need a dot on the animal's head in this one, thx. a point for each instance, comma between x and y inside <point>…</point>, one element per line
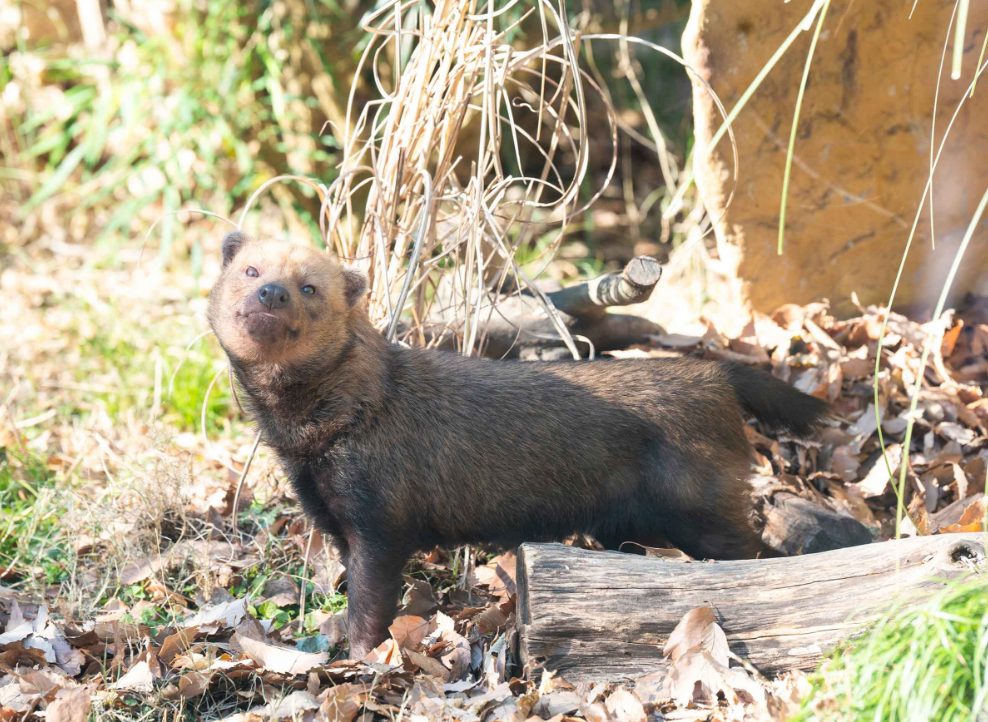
<point>282,303</point>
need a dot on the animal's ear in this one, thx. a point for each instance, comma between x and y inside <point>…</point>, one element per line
<point>354,286</point>
<point>232,243</point>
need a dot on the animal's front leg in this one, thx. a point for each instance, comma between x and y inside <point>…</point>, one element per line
<point>373,585</point>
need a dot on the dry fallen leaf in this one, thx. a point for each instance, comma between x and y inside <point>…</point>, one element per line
<point>845,463</point>
<point>697,677</point>
<point>70,705</point>
<point>498,575</point>
<point>950,339</point>
<point>227,614</point>
<point>699,667</point>
<point>960,479</point>
<point>864,427</point>
<point>972,520</point>
<point>419,599</point>
<point>558,702</point>
<point>491,619</point>
<point>189,686</point>
<point>13,698</point>
<point>68,658</point>
<point>43,682</point>
<point>16,617</point>
<point>293,706</point>
<point>456,657</point>
<point>16,634</point>
<point>139,678</point>
<point>177,643</point>
<point>387,652</point>
<point>408,631</point>
<point>698,628</point>
<point>428,665</point>
<point>623,705</point>
<point>876,481</point>
<point>342,702</point>
<point>281,660</point>
<point>919,516</point>
<point>280,591</point>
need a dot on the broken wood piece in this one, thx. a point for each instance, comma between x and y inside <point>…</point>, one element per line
<point>604,616</point>
<point>632,285</point>
<point>795,525</point>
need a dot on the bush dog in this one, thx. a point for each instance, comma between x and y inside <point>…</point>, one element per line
<point>393,450</point>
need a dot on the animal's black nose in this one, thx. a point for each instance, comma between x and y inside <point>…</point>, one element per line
<point>273,296</point>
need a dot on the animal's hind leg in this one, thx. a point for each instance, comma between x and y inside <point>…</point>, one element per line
<point>712,520</point>
<point>633,541</point>
<point>705,537</point>
<point>615,542</point>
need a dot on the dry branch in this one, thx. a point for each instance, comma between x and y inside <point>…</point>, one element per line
<point>518,326</point>
<point>795,525</point>
<point>604,616</point>
<point>632,285</point>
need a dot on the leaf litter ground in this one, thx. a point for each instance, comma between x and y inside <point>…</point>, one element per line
<point>129,593</point>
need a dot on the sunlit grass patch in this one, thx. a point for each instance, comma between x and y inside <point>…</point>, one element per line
<point>116,371</point>
<point>928,662</point>
<point>31,507</point>
<point>184,400</point>
<point>158,121</point>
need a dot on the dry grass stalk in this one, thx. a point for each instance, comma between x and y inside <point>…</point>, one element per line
<point>443,216</point>
<point>430,156</point>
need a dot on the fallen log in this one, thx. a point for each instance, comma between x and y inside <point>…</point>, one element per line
<point>604,616</point>
<point>518,327</point>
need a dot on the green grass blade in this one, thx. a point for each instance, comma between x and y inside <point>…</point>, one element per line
<point>57,179</point>
<point>981,59</point>
<point>795,121</point>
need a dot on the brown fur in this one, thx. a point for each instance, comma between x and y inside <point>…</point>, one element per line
<point>394,450</point>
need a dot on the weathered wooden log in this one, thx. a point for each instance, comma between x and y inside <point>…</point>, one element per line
<point>604,616</point>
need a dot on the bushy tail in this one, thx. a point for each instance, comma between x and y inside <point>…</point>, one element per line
<point>775,402</point>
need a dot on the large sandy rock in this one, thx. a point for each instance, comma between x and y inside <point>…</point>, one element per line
<point>862,149</point>
<point>39,24</point>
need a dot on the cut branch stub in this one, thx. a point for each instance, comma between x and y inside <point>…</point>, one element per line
<point>632,285</point>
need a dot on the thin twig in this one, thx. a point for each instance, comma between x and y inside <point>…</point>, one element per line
<point>240,485</point>
<point>305,578</point>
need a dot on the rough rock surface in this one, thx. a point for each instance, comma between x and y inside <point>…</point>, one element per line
<point>862,149</point>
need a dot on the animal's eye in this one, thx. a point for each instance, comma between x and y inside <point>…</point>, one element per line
<point>251,271</point>
<point>308,289</point>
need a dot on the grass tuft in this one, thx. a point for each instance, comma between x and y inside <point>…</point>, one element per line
<point>29,518</point>
<point>923,663</point>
